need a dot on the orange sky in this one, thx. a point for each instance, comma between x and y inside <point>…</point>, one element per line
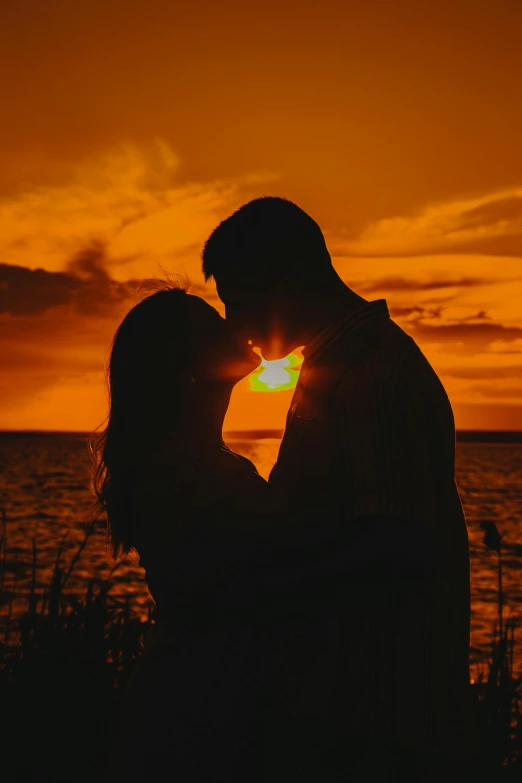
<point>134,127</point>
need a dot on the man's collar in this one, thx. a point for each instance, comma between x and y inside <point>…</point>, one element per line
<point>353,319</point>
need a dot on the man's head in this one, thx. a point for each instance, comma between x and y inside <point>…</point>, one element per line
<point>269,259</point>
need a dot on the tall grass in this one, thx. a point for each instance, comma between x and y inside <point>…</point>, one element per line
<point>497,690</point>
<point>63,664</point>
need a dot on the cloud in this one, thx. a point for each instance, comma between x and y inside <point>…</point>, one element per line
<point>480,316</point>
<point>493,212</point>
<point>464,337</point>
<point>480,415</point>
<point>498,392</point>
<point>85,285</point>
<point>409,284</point>
<point>30,292</point>
<point>131,200</point>
<point>490,224</point>
<point>47,349</point>
<point>483,372</point>
<point>417,312</point>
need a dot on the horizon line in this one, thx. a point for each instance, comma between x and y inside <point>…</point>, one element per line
<point>252,433</point>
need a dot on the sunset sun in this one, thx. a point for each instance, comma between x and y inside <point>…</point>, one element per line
<point>278,375</point>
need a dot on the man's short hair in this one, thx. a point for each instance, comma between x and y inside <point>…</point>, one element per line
<point>266,241</point>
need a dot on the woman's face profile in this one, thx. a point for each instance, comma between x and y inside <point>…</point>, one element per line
<point>220,353</point>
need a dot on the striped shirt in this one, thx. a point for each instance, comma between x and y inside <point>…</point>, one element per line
<point>370,431</point>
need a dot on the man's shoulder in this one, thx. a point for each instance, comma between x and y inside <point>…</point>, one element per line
<point>374,351</point>
<point>389,357</point>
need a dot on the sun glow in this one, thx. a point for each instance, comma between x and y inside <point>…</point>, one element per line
<point>278,375</point>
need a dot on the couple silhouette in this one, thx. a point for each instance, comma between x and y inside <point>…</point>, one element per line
<point>314,627</point>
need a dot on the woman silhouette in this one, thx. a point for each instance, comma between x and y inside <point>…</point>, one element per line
<point>172,490</point>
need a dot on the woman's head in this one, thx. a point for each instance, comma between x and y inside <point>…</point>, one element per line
<point>168,347</point>
<point>167,343</point>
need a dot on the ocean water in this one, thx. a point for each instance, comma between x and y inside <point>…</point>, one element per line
<point>44,489</point>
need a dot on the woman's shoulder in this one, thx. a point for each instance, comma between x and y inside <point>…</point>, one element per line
<point>226,475</point>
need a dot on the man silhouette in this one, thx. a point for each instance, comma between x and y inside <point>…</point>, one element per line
<point>373,682</point>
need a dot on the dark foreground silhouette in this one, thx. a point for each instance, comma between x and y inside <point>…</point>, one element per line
<point>64,665</point>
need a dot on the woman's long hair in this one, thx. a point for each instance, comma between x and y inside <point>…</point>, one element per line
<point>148,374</point>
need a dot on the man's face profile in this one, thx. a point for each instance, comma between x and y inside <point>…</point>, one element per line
<point>258,316</point>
